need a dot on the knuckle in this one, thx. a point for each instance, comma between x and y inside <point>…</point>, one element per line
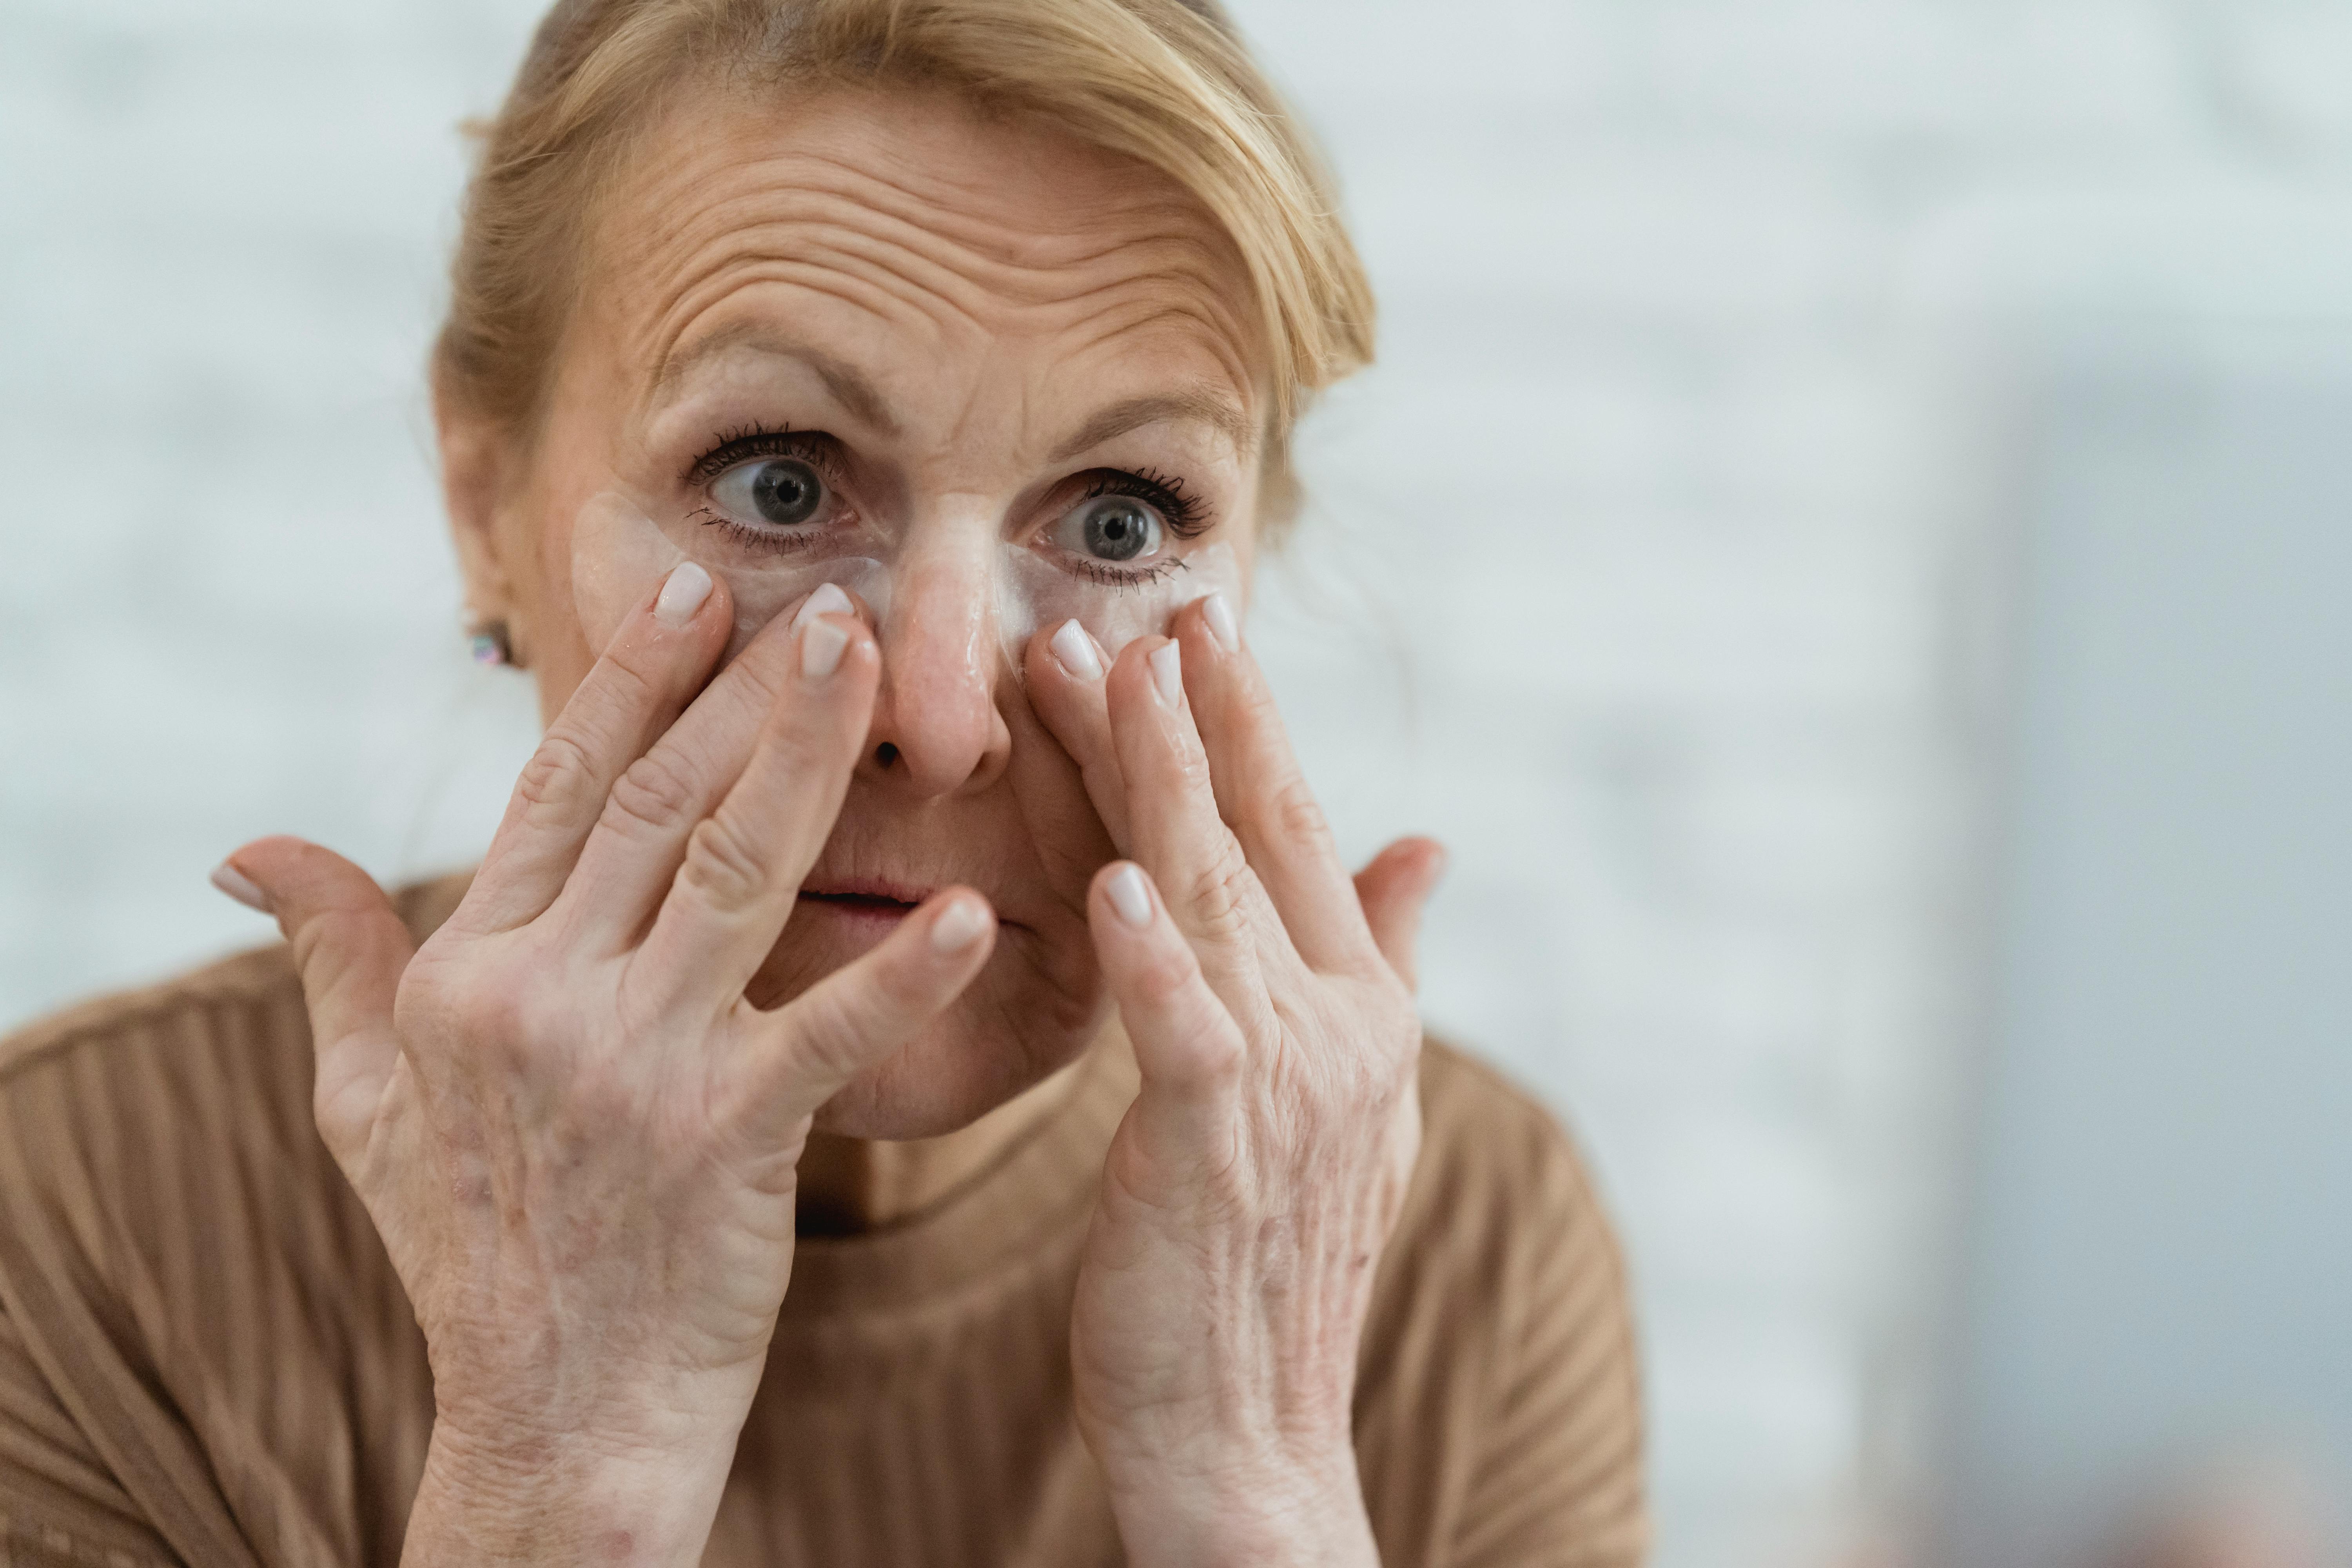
<point>557,777</point>
<point>1293,811</point>
<point>1218,893</point>
<point>629,683</point>
<point>496,1009</point>
<point>722,869</point>
<point>653,794</point>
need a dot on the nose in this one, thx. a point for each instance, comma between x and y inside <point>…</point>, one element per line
<point>936,729</point>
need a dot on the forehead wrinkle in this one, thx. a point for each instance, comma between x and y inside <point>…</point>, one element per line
<point>1115,308</point>
<point>930,243</point>
<point>986,232</point>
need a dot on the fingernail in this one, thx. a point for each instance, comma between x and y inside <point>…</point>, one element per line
<point>959,925</point>
<point>1074,652</point>
<point>1221,624</point>
<point>1130,895</point>
<point>821,647</point>
<point>829,599</point>
<point>1167,674</point>
<point>240,887</point>
<point>682,595</point>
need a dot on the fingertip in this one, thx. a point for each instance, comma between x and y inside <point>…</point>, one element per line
<point>1125,890</point>
<point>1427,861</point>
<point>824,599</point>
<point>243,889</point>
<point>961,922</point>
<point>1075,651</point>
<point>254,874</point>
<point>683,593</point>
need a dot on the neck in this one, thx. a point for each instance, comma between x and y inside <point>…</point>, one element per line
<point>848,1185</point>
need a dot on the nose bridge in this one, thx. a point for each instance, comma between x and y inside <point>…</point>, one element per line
<point>941,661</point>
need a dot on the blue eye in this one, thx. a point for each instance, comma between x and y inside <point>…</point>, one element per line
<point>1110,528</point>
<point>781,492</point>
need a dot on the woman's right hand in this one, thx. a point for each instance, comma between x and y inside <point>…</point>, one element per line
<point>576,1135</point>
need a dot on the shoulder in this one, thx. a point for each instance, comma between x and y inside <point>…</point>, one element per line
<point>173,1110</point>
<point>1495,1160</point>
<point>259,977</point>
<point>243,993</point>
<point>201,1301</point>
<point>117,1112</point>
<point>1498,1405</point>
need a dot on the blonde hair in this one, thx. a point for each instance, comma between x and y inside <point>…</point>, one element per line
<point>1166,82</point>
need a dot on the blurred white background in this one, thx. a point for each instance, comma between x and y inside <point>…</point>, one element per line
<point>1668,567</point>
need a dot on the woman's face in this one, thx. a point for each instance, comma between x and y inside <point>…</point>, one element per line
<point>880,311</point>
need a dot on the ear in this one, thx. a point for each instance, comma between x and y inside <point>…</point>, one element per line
<point>477,459</point>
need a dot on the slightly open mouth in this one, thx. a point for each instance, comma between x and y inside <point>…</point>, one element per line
<point>874,906</point>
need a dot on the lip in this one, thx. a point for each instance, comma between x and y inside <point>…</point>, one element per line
<point>876,900</point>
<point>864,900</point>
<point>864,891</point>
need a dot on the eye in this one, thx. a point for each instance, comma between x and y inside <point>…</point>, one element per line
<point>1110,528</point>
<point>781,492</point>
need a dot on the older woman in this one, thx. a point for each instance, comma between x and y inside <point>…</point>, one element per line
<point>911,1080</point>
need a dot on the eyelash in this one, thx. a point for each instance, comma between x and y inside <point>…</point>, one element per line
<point>762,441</point>
<point>1185,515</point>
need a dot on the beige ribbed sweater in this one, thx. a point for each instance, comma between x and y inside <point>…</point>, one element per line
<point>206,1357</point>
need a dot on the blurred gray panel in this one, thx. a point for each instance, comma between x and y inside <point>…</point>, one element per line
<point>2161,1264</point>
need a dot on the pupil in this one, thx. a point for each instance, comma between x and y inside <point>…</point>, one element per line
<point>1117,530</point>
<point>786,491</point>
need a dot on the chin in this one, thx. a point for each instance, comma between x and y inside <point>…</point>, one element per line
<point>1032,1010</point>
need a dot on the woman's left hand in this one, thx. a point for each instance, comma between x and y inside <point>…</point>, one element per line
<point>1254,1181</point>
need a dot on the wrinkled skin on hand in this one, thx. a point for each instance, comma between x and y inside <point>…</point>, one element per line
<point>1250,1188</point>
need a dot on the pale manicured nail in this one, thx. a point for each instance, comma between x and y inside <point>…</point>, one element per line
<point>1130,895</point>
<point>828,600</point>
<point>1219,614</point>
<point>683,595</point>
<point>239,886</point>
<point>1074,652</point>
<point>1167,674</point>
<point>821,647</point>
<point>959,925</point>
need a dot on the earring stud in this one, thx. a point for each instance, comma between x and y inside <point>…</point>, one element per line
<point>491,645</point>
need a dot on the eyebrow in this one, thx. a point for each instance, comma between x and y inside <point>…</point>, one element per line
<point>1198,406</point>
<point>848,386</point>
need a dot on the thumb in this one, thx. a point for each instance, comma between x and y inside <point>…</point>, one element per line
<point>350,948</point>
<point>1392,889</point>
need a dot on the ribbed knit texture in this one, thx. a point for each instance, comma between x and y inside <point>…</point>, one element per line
<point>206,1357</point>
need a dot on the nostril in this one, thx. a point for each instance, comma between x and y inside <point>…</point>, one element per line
<point>885,754</point>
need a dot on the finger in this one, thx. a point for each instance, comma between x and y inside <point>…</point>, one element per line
<point>1213,892</point>
<point>743,864</point>
<point>1394,890</point>
<point>1188,1047</point>
<point>639,841</point>
<point>350,948</point>
<point>653,666</point>
<point>1262,795</point>
<point>800,1055</point>
<point>1064,668</point>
